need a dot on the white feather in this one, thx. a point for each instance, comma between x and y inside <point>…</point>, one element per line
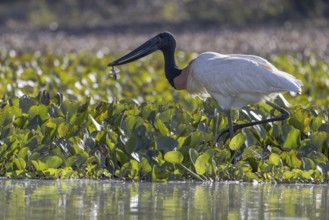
<point>237,80</point>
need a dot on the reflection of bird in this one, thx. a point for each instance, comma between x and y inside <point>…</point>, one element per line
<point>233,80</point>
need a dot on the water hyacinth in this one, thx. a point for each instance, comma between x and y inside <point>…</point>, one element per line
<point>66,117</point>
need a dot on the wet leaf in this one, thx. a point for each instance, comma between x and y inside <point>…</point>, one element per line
<point>292,139</point>
<point>307,174</point>
<point>288,175</point>
<point>174,157</point>
<point>320,139</point>
<point>145,167</point>
<point>301,119</point>
<point>19,163</point>
<point>134,168</point>
<point>166,143</point>
<point>130,123</point>
<point>54,162</point>
<point>8,113</point>
<point>64,130</point>
<point>39,165</point>
<point>26,102</point>
<point>23,153</point>
<point>291,159</point>
<point>275,159</point>
<point>161,127</point>
<point>308,164</point>
<point>159,173</point>
<point>237,141</point>
<point>75,161</point>
<point>316,123</point>
<point>38,114</point>
<point>204,163</point>
<point>193,155</point>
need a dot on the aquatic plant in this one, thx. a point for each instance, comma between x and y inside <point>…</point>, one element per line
<point>65,117</point>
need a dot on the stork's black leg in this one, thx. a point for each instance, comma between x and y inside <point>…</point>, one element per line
<point>230,124</point>
<point>284,115</point>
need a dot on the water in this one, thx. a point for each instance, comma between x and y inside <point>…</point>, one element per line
<point>81,199</point>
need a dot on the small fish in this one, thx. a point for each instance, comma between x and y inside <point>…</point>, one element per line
<point>114,72</point>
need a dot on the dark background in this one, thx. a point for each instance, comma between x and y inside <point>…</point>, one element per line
<point>229,26</point>
<point>120,14</point>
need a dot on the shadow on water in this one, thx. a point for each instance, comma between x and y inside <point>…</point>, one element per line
<point>81,199</point>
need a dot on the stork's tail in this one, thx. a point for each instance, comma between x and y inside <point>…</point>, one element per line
<point>290,83</point>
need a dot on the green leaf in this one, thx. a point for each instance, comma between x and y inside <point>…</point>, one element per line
<point>159,173</point>
<point>69,109</point>
<point>130,123</point>
<point>64,130</point>
<point>19,163</point>
<point>23,153</point>
<point>101,137</point>
<point>134,168</point>
<point>38,113</point>
<point>174,157</point>
<point>131,145</point>
<point>39,165</point>
<point>316,123</point>
<point>300,119</point>
<point>253,163</point>
<point>50,128</point>
<point>307,174</point>
<point>275,159</point>
<point>26,102</point>
<point>319,139</point>
<point>193,155</point>
<point>166,143</point>
<point>308,164</point>
<point>318,157</point>
<point>237,141</point>
<point>288,175</point>
<point>161,127</point>
<point>8,113</point>
<point>76,160</point>
<point>292,139</point>
<point>198,137</point>
<point>291,159</point>
<point>204,163</point>
<point>121,156</point>
<point>51,173</point>
<point>54,162</point>
<point>145,166</point>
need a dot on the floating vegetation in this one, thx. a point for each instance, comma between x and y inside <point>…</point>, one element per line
<point>65,117</point>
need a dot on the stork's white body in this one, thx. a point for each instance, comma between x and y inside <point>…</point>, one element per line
<point>233,80</point>
<point>237,80</point>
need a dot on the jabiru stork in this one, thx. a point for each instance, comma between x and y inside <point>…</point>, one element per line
<point>233,80</point>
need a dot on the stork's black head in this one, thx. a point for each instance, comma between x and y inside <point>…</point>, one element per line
<point>164,41</point>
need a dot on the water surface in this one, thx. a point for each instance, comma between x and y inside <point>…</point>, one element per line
<point>85,199</point>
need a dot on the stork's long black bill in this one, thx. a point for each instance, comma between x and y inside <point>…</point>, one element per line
<point>145,49</point>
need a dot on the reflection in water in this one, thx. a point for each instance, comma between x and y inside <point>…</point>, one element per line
<point>82,199</point>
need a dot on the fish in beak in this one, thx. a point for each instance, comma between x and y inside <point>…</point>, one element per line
<point>165,42</point>
<point>145,49</point>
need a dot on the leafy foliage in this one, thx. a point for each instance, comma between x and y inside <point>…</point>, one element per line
<point>84,124</point>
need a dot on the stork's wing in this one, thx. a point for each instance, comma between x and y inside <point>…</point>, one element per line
<point>232,75</point>
<point>261,61</point>
<point>238,75</point>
